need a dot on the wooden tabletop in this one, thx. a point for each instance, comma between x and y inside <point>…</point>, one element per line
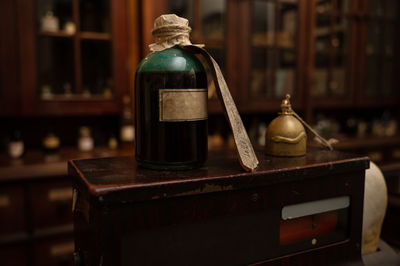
<point>122,179</point>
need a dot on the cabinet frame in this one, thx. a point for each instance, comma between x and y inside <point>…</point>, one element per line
<point>31,102</point>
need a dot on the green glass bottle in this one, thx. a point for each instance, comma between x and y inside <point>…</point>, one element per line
<point>171,110</point>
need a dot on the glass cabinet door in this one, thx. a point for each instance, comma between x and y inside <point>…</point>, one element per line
<point>207,18</point>
<point>73,49</point>
<point>332,33</point>
<point>273,48</point>
<point>379,27</point>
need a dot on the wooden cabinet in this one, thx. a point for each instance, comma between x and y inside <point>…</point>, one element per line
<point>36,221</point>
<point>54,252</point>
<point>353,57</point>
<point>327,54</point>
<point>36,206</point>
<point>12,210</point>
<point>379,56</point>
<point>211,23</point>
<point>73,56</point>
<point>257,44</point>
<point>51,204</point>
<point>271,51</point>
<point>9,92</point>
<point>332,66</point>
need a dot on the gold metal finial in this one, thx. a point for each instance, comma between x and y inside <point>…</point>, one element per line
<point>285,134</point>
<point>286,106</point>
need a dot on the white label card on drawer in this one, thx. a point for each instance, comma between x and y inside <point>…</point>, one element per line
<point>315,207</point>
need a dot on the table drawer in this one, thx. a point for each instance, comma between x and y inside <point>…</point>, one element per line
<point>51,204</point>
<point>54,252</point>
<point>12,210</point>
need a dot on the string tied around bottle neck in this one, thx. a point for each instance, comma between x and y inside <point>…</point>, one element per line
<point>170,30</point>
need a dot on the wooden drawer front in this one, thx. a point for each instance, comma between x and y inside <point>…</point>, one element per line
<point>54,252</point>
<point>14,256</point>
<point>12,210</point>
<point>51,204</point>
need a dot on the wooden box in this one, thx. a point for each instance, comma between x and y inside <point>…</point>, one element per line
<point>290,211</point>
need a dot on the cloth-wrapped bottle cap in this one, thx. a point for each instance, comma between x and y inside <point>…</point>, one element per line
<point>170,21</point>
<point>170,30</point>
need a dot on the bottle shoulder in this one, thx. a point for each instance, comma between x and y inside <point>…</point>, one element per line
<point>171,59</point>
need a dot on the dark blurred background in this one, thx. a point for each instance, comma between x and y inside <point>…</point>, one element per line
<point>66,81</point>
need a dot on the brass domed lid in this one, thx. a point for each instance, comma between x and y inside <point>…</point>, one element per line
<point>286,135</point>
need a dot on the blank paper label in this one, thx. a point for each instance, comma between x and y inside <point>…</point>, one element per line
<point>182,104</point>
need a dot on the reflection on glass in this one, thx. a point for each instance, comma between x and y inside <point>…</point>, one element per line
<point>320,81</point>
<point>263,23</point>
<point>375,7</point>
<point>340,40</point>
<point>183,8</point>
<point>391,8</point>
<point>287,25</point>
<point>344,6</point>
<point>324,6</point>
<point>213,18</point>
<point>390,35</point>
<point>95,15</point>
<point>322,43</point>
<point>371,82</point>
<point>285,75</point>
<point>55,66</point>
<point>373,38</point>
<point>53,15</point>
<point>337,84</point>
<point>320,78</point>
<point>96,70</point>
<point>262,75</point>
<point>387,78</point>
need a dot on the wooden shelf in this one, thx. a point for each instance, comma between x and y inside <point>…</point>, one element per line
<point>59,34</point>
<point>95,36</point>
<point>271,47</point>
<point>36,163</point>
<point>347,143</point>
<point>55,230</point>
<point>76,97</point>
<point>84,35</point>
<point>390,168</point>
<point>14,238</point>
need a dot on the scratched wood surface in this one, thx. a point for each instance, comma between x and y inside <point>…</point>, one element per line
<point>113,177</point>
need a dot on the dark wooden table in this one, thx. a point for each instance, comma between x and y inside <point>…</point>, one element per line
<point>218,214</point>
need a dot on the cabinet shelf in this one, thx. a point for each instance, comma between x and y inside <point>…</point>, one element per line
<point>36,163</point>
<point>86,35</point>
<point>58,34</point>
<point>76,97</point>
<point>271,47</point>
<point>351,143</point>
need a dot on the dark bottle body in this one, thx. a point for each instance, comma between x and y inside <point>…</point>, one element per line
<point>169,144</point>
